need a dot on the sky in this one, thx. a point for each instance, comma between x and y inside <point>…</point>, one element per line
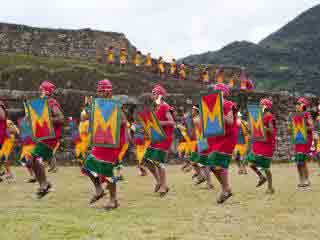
<point>169,28</point>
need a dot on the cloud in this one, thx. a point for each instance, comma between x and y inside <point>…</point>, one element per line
<point>168,28</point>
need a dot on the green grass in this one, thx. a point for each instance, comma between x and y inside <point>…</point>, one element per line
<point>189,212</point>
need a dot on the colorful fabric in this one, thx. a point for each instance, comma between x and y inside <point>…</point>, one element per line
<point>256,121</point>
<point>266,102</point>
<point>7,147</point>
<point>223,88</point>
<point>26,151</point>
<point>104,86</point>
<point>260,161</point>
<point>106,123</point>
<point>42,150</point>
<point>266,148</point>
<point>159,90</point>
<point>101,167</point>
<point>211,109</point>
<point>225,144</point>
<point>140,150</point>
<point>298,128</point>
<point>305,148</point>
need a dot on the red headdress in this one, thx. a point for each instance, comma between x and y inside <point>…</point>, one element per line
<point>304,101</point>
<point>159,90</point>
<point>47,87</point>
<point>104,86</point>
<point>266,102</point>
<point>223,88</point>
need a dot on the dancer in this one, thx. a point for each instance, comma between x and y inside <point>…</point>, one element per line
<point>110,55</point>
<point>7,148</point>
<point>302,150</point>
<point>241,149</point>
<point>157,153</point>
<point>221,147</point>
<point>262,151</point>
<point>123,57</point>
<point>199,153</point>
<point>82,144</point>
<point>100,164</point>
<point>43,149</point>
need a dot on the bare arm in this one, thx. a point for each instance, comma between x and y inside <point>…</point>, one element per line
<point>170,121</point>
<point>2,114</point>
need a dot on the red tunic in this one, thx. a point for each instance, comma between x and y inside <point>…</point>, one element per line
<point>3,127</point>
<point>161,114</point>
<point>110,155</point>
<point>225,144</point>
<point>54,106</point>
<point>266,148</point>
<point>305,148</point>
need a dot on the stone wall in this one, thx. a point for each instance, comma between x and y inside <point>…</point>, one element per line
<point>83,43</point>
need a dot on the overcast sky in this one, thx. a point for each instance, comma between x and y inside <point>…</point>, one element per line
<point>166,27</point>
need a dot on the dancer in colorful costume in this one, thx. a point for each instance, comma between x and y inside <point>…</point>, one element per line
<point>123,57</point>
<point>82,144</point>
<point>110,55</point>
<point>199,156</point>
<point>7,147</point>
<point>148,63</point>
<point>141,143</point>
<point>100,164</point>
<point>43,149</point>
<point>241,149</point>
<point>173,67</point>
<point>302,150</point>
<point>137,59</point>
<point>262,151</point>
<point>221,147</point>
<point>161,67</point>
<point>27,146</point>
<point>156,153</point>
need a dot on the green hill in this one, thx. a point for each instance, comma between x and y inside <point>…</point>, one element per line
<point>288,58</point>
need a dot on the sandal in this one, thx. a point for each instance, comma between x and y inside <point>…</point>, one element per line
<point>262,181</point>
<point>43,192</point>
<point>200,181</point>
<point>163,194</point>
<point>270,191</point>
<point>31,180</point>
<point>223,197</point>
<point>194,176</point>
<point>96,198</point>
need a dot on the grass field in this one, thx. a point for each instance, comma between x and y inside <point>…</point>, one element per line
<point>188,212</point>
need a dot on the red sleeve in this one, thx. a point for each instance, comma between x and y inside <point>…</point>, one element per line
<point>228,106</point>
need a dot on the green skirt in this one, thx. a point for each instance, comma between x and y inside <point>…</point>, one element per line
<point>220,160</point>
<point>198,158</point>
<point>155,155</point>
<point>99,166</point>
<point>300,158</point>
<point>260,161</point>
<point>42,150</point>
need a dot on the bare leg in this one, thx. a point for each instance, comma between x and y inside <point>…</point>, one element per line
<point>217,175</point>
<point>269,178</point>
<point>154,171</point>
<point>206,172</point>
<point>226,190</point>
<point>306,173</point>
<point>300,173</point>
<point>163,179</point>
<point>113,203</point>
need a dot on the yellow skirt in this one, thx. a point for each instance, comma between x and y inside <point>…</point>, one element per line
<point>26,151</point>
<point>241,148</point>
<point>7,148</point>
<point>123,152</point>
<point>82,147</point>
<point>140,150</point>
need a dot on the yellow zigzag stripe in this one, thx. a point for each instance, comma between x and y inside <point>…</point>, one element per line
<point>299,127</point>
<point>110,123</point>
<point>151,123</point>
<point>215,113</point>
<point>256,124</point>
<point>44,118</point>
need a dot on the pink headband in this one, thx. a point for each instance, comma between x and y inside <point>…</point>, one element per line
<point>223,88</point>
<point>47,87</point>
